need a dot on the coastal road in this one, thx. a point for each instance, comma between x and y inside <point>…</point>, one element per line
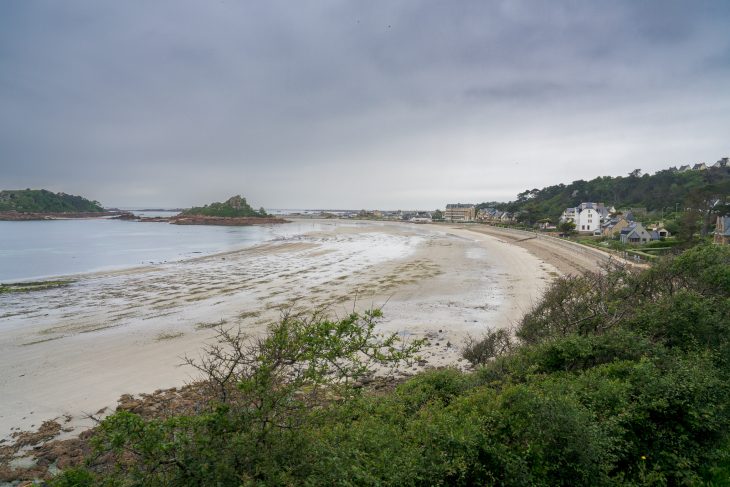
<point>568,257</point>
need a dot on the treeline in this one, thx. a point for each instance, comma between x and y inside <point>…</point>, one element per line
<point>618,378</point>
<point>236,206</point>
<point>43,201</point>
<point>665,189</point>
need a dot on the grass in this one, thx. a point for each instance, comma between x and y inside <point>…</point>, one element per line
<point>168,336</point>
<point>23,287</point>
<point>249,314</point>
<point>205,326</point>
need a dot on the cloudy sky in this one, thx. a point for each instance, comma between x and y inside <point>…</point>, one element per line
<point>361,104</point>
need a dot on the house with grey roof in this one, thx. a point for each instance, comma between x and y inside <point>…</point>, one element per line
<point>570,214</point>
<point>612,227</point>
<point>724,162</point>
<point>660,232</point>
<point>635,234</point>
<point>507,217</point>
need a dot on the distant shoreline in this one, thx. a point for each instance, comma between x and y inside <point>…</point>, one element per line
<point>126,215</point>
<point>204,220</point>
<point>33,216</point>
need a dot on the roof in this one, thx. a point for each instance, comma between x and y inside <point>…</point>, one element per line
<point>633,226</point>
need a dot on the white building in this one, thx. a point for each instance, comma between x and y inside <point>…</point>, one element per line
<point>570,214</point>
<point>589,220</point>
<point>587,216</point>
<point>459,212</point>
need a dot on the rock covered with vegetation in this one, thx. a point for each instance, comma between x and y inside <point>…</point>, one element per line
<point>618,378</point>
<point>234,207</point>
<point>43,201</point>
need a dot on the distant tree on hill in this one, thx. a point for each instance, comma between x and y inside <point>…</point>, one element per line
<point>654,192</point>
<point>43,201</point>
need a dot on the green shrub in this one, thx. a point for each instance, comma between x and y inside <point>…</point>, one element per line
<point>493,343</point>
<point>74,478</point>
<point>436,386</point>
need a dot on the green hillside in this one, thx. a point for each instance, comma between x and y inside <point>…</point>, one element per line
<point>663,190</point>
<point>43,201</point>
<point>236,206</point>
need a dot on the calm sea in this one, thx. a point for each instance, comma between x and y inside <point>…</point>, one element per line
<point>42,249</point>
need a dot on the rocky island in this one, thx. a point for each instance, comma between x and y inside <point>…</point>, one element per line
<point>234,212</point>
<point>41,204</point>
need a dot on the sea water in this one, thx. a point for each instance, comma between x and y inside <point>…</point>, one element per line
<point>50,248</point>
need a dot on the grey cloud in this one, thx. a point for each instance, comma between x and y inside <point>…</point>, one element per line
<point>363,104</point>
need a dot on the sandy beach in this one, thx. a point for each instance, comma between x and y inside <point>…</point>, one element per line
<point>68,352</point>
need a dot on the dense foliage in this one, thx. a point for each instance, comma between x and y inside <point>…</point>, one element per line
<point>665,189</point>
<point>42,201</point>
<point>619,378</point>
<point>236,206</point>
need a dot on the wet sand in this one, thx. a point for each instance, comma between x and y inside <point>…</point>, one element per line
<point>75,350</point>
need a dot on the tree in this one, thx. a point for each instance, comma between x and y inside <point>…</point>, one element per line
<point>688,226</point>
<point>261,391</point>
<point>567,227</point>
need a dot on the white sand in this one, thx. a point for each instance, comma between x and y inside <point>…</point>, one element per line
<point>75,350</point>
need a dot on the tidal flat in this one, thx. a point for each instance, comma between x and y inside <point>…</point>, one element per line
<point>77,349</point>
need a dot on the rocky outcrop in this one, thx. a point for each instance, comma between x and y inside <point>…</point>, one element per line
<point>127,216</point>
<point>224,221</point>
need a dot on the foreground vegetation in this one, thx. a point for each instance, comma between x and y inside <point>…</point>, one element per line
<point>43,201</point>
<point>618,378</point>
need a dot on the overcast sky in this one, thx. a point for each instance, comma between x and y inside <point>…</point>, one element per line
<point>362,104</point>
